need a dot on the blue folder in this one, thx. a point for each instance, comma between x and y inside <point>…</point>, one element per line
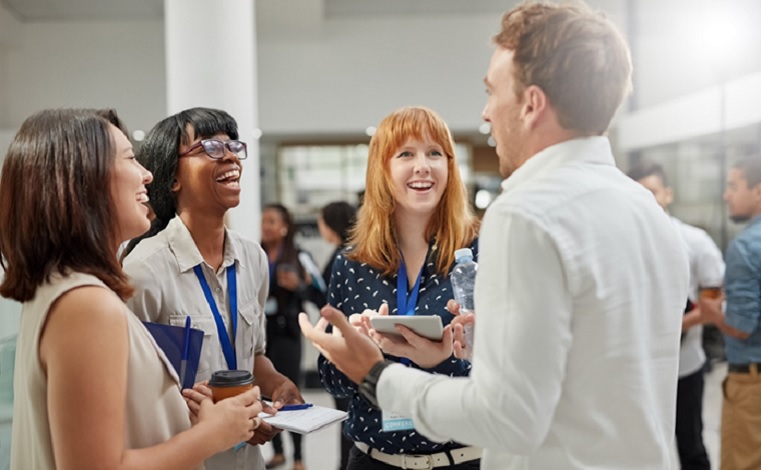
<point>171,339</point>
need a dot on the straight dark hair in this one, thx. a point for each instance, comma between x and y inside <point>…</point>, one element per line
<point>159,153</point>
<point>339,216</point>
<point>64,221</point>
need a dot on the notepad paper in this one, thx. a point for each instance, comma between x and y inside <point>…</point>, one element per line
<point>306,420</point>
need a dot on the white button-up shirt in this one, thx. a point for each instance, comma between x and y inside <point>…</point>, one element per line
<point>706,270</point>
<point>168,291</point>
<point>579,299</point>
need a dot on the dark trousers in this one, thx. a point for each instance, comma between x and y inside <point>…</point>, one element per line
<point>358,460</point>
<point>689,423</point>
<point>346,443</point>
<point>285,354</point>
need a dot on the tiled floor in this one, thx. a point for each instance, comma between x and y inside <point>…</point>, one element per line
<point>321,447</point>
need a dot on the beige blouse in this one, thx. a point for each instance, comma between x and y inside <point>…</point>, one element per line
<point>155,410</point>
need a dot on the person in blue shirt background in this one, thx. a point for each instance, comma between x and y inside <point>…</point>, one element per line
<point>414,216</point>
<point>741,410</point>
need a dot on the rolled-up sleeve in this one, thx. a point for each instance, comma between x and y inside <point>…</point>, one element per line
<point>742,286</point>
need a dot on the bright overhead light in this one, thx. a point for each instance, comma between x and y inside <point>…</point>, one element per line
<point>138,135</point>
<point>257,133</point>
<point>484,128</point>
<point>719,33</point>
<point>370,131</point>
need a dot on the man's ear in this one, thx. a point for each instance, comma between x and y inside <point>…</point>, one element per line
<point>535,104</point>
<point>756,192</point>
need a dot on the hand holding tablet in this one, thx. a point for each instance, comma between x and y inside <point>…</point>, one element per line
<point>427,326</point>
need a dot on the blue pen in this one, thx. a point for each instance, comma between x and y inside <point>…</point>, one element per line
<point>185,352</point>
<point>302,406</point>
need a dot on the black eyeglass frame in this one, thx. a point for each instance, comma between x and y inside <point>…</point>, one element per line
<point>205,143</point>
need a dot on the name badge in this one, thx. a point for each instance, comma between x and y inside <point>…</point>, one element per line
<point>395,422</point>
<point>270,307</point>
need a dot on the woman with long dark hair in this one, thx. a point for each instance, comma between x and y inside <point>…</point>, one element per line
<point>294,279</point>
<point>92,388</point>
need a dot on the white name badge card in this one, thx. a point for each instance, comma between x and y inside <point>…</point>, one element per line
<point>394,422</point>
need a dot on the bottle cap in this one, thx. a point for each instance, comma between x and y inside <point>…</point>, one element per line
<point>463,253</point>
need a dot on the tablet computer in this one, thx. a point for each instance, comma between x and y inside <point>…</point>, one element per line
<point>427,326</point>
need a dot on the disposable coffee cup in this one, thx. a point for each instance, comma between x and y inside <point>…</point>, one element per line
<point>229,383</point>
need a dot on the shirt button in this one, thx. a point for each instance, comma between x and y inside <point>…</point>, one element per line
<point>217,289</point>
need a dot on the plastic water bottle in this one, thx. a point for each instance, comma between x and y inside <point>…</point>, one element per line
<point>463,280</point>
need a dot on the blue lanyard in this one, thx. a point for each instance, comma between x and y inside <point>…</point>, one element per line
<point>404,305</point>
<point>228,348</point>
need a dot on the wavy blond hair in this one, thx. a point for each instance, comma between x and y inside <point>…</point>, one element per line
<point>453,225</point>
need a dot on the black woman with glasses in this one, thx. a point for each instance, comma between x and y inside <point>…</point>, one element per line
<point>190,265</point>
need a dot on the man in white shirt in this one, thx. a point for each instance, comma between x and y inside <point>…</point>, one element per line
<point>706,275</point>
<point>580,289</point>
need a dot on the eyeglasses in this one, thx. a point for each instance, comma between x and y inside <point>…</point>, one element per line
<point>216,148</point>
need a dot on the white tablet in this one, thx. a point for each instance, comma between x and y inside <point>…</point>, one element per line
<point>428,326</point>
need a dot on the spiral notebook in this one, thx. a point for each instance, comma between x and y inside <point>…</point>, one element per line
<point>304,421</point>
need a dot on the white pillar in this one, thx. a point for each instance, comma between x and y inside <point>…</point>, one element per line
<point>211,62</point>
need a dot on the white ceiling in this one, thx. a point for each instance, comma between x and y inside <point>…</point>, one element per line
<point>91,10</point>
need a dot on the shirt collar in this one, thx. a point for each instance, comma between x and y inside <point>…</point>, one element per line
<point>595,150</point>
<point>186,252</point>
<point>755,220</point>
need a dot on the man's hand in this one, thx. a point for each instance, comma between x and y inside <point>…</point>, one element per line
<point>352,353</point>
<point>462,350</point>
<point>710,310</point>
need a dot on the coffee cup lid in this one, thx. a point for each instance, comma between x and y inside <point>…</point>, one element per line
<point>230,378</point>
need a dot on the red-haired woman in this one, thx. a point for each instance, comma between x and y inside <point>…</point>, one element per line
<point>414,216</point>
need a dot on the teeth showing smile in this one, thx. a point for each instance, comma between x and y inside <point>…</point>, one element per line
<point>229,175</point>
<point>420,185</point>
<point>142,198</point>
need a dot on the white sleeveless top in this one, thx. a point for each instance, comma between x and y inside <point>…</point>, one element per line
<point>154,409</point>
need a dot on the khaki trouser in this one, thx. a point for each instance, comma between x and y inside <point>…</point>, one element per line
<point>741,421</point>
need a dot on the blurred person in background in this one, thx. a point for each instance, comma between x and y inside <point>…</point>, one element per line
<point>294,279</point>
<point>334,222</point>
<point>706,275</point>
<point>189,264</point>
<point>92,388</point>
<point>740,321</point>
